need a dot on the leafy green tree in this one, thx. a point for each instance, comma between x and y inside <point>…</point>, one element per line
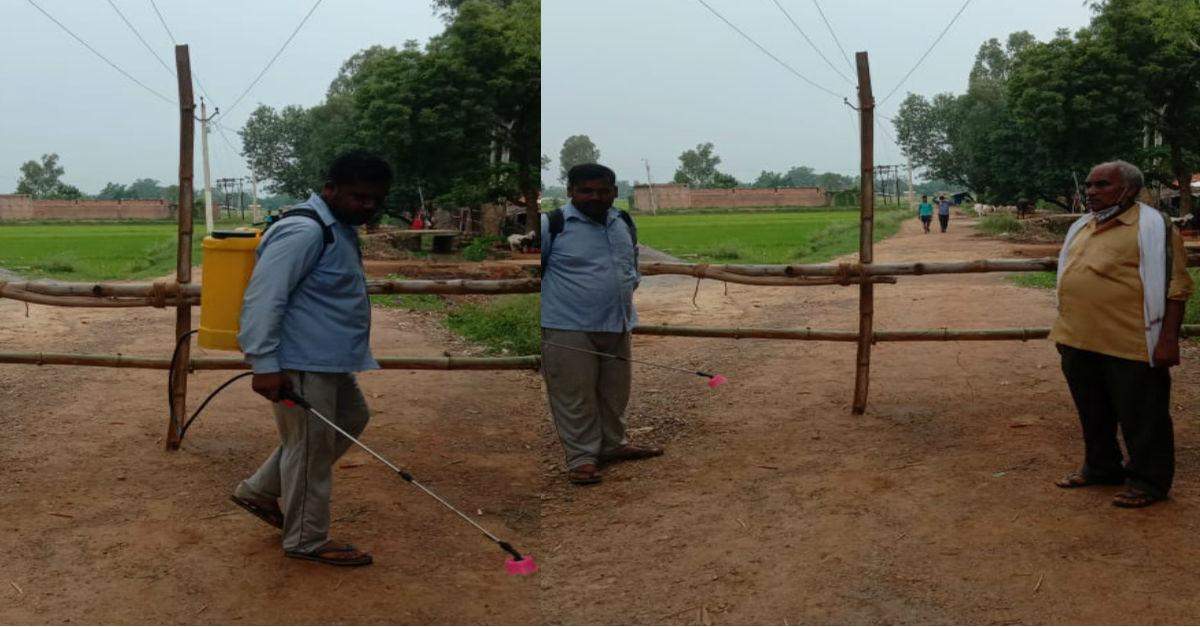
<point>113,191</point>
<point>1157,44</point>
<point>458,120</point>
<point>698,168</point>
<point>576,150</point>
<point>43,180</point>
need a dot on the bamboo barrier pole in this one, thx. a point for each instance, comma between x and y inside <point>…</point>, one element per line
<point>866,233</point>
<point>900,335</point>
<point>529,362</point>
<point>183,257</point>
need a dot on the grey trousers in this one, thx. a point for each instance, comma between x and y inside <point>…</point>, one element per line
<point>588,393</point>
<point>300,470</point>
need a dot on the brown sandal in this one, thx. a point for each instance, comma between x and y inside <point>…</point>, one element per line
<point>344,555</point>
<point>1080,480</point>
<point>586,474</point>
<point>630,452</point>
<point>1134,498</point>
<point>269,515</point>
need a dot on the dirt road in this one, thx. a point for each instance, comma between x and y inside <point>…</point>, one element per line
<point>774,504</point>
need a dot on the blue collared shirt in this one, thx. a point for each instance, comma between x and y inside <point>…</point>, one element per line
<point>591,274</point>
<point>304,309</point>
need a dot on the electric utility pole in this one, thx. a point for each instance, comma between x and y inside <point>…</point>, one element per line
<point>208,207</point>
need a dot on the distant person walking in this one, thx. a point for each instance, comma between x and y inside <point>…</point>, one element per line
<point>943,212</point>
<point>925,212</point>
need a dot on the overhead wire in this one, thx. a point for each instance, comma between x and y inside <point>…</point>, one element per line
<point>769,54</point>
<point>809,40</point>
<point>138,34</point>
<point>102,57</point>
<point>834,34</point>
<point>927,51</point>
<point>254,82</point>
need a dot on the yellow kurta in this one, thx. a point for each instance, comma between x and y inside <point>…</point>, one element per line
<point>1100,297</point>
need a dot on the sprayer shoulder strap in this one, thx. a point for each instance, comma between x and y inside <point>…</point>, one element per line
<point>326,230</point>
<point>558,221</point>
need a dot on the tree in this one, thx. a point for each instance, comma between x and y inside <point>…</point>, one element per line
<point>43,180</point>
<point>113,191</point>
<point>458,120</point>
<point>1156,41</point>
<point>698,168</point>
<point>576,150</point>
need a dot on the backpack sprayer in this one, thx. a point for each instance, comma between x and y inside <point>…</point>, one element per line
<point>229,258</point>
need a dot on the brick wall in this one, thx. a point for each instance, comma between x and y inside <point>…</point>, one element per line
<point>673,196</point>
<point>21,207</point>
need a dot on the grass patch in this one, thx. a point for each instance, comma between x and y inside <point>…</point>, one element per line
<point>1044,280</point>
<point>766,237</point>
<point>1000,224</point>
<point>505,325</point>
<point>94,251</point>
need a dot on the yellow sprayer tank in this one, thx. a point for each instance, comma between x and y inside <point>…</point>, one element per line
<point>228,263</point>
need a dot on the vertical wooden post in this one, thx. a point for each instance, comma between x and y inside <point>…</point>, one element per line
<point>866,232</point>
<point>183,257</point>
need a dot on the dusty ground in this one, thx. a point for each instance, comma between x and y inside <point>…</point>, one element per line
<point>774,504</point>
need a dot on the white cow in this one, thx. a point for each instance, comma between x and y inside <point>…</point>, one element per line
<point>518,243</point>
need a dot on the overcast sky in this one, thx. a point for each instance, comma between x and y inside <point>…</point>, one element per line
<point>56,96</point>
<point>650,79</point>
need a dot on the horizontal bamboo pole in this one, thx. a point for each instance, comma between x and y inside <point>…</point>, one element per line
<point>912,268</point>
<point>531,362</point>
<point>164,294</point>
<point>903,335</point>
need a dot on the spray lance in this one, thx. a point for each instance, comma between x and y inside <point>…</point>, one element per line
<point>228,264</point>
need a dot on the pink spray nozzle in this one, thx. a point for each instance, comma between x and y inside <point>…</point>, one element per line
<point>521,567</point>
<point>717,379</point>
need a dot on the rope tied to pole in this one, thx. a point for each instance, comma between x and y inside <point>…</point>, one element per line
<point>159,291</point>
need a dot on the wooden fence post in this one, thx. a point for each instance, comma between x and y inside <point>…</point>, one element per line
<point>866,291</point>
<point>183,265</point>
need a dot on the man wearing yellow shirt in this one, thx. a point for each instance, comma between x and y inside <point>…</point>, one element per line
<point>1122,288</point>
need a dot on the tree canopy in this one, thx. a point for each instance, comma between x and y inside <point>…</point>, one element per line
<point>698,168</point>
<point>43,179</point>
<point>1036,116</point>
<point>458,119</point>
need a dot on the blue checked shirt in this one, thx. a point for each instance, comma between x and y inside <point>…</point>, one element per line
<point>305,310</point>
<point>590,274</point>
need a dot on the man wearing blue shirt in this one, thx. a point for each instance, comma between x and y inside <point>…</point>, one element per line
<point>943,212</point>
<point>306,326</point>
<point>589,273</point>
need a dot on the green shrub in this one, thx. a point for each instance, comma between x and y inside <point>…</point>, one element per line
<point>506,324</point>
<point>479,247</point>
<point>1000,224</point>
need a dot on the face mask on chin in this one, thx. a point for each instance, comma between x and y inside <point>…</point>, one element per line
<point>1108,213</point>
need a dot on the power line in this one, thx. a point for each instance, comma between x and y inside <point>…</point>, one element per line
<point>102,57</point>
<point>931,47</point>
<point>140,38</point>
<point>835,37</point>
<point>809,40</point>
<point>272,61</point>
<point>163,21</point>
<point>768,52</point>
